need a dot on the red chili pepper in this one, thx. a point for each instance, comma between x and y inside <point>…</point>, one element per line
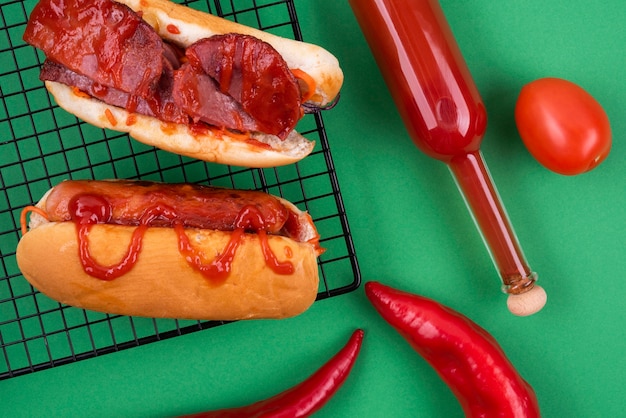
<point>305,398</point>
<point>465,356</point>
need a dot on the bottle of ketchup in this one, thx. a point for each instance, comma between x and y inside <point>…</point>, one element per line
<point>446,119</point>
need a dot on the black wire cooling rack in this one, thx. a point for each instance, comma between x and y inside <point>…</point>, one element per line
<point>41,145</point>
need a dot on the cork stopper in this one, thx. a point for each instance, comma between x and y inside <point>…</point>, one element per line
<point>527,303</point>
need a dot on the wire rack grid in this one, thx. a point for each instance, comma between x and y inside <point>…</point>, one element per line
<point>41,145</point>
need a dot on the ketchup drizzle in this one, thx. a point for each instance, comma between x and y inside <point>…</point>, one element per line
<point>270,258</point>
<point>87,210</point>
<point>249,219</point>
<point>218,269</point>
<point>95,269</point>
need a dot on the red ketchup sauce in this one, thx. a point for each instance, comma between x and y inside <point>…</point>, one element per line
<point>107,43</point>
<point>442,110</point>
<point>101,39</point>
<point>173,29</point>
<point>249,219</point>
<point>87,210</point>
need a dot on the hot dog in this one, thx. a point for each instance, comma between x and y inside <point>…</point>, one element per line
<point>170,250</point>
<point>182,80</point>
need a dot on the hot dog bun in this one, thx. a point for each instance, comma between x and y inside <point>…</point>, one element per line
<point>214,145</point>
<point>162,284</point>
<point>211,146</point>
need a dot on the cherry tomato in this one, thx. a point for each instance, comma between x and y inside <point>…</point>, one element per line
<point>563,126</point>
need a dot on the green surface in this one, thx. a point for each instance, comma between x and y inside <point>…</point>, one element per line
<point>412,231</point>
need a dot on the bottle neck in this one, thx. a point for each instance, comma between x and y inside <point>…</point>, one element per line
<point>474,181</point>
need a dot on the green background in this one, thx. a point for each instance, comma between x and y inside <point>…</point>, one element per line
<point>412,230</point>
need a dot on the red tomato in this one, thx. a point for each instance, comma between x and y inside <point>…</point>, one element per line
<point>563,126</point>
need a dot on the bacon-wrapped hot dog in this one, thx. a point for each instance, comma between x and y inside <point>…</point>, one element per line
<point>170,250</point>
<point>183,80</point>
